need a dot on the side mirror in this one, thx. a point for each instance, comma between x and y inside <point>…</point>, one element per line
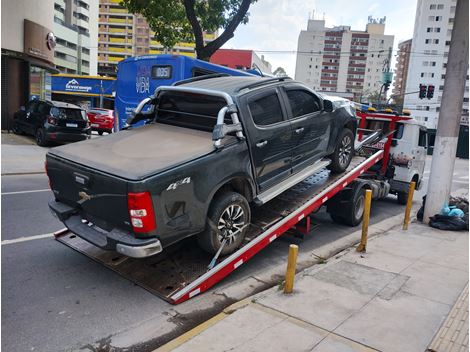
<point>327,106</point>
<point>22,108</point>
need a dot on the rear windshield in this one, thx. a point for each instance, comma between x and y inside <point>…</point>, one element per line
<point>189,110</point>
<point>67,113</point>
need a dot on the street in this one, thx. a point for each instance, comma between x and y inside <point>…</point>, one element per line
<point>56,299</point>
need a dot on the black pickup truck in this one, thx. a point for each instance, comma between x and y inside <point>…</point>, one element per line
<point>209,150</point>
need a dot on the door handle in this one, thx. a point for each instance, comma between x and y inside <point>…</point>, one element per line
<point>299,130</point>
<point>261,144</point>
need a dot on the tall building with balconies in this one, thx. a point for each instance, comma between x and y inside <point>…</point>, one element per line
<point>401,68</point>
<point>123,35</point>
<point>76,30</point>
<point>342,61</point>
<point>428,60</point>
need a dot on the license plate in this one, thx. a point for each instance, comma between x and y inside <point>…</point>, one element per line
<point>71,125</point>
<point>95,125</point>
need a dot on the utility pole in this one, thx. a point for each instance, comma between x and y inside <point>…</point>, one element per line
<point>445,147</point>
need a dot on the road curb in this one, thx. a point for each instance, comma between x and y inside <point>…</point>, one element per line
<point>347,242</point>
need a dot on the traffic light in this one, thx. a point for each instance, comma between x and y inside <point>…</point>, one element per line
<point>386,85</point>
<point>430,92</point>
<point>422,91</point>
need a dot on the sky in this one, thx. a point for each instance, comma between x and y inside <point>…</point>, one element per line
<point>274,25</point>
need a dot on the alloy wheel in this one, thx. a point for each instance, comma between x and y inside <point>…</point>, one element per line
<point>345,150</point>
<point>231,223</point>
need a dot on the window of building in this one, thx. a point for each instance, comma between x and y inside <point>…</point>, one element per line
<point>441,87</point>
<point>438,18</point>
<point>432,7</point>
<point>425,63</point>
<point>465,100</point>
<point>451,20</point>
<point>440,7</point>
<point>266,110</point>
<point>429,29</point>
<point>432,63</point>
<point>431,18</point>
<point>447,42</point>
<point>427,41</point>
<point>435,41</point>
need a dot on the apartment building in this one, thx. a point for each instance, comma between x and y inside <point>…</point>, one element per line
<point>428,60</point>
<point>341,60</point>
<point>123,35</point>
<point>76,31</point>
<point>401,68</point>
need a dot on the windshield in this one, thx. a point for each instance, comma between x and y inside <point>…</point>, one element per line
<point>190,110</point>
<point>67,113</point>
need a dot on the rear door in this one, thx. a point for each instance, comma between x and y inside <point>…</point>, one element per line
<point>311,126</point>
<point>270,137</point>
<point>69,118</point>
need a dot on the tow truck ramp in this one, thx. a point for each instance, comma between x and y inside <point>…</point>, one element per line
<point>181,271</point>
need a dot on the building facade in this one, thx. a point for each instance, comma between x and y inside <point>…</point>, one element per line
<point>341,60</point>
<point>401,68</point>
<point>429,50</point>
<point>122,35</point>
<point>240,59</point>
<point>28,44</point>
<point>76,29</point>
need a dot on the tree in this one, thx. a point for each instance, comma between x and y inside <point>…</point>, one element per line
<point>280,72</point>
<point>186,20</point>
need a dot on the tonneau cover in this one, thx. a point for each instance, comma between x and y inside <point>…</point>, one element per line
<point>137,153</point>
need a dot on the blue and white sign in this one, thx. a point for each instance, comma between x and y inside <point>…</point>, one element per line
<point>82,85</point>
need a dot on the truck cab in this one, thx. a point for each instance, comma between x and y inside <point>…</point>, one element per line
<point>407,149</point>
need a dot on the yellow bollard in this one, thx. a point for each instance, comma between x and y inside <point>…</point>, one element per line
<point>290,272</point>
<point>409,202</point>
<point>365,222</point>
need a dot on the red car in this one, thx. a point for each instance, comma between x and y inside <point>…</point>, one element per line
<point>101,120</point>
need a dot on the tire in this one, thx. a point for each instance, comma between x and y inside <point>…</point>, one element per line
<point>16,128</point>
<point>100,133</point>
<point>402,198</point>
<point>344,152</point>
<point>225,208</point>
<point>40,138</point>
<point>348,209</point>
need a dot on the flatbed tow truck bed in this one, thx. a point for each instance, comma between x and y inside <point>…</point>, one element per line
<point>181,271</point>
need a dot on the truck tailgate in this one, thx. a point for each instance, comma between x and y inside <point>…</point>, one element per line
<point>100,198</point>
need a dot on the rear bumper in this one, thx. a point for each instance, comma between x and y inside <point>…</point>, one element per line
<point>117,240</point>
<point>65,137</point>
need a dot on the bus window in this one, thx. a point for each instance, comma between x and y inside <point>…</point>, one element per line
<point>197,71</point>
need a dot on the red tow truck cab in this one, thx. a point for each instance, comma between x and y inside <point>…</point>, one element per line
<point>101,120</point>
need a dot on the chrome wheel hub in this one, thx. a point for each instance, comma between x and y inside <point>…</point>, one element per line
<point>345,150</point>
<point>231,223</point>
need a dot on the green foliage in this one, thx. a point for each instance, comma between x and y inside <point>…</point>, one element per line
<point>185,20</point>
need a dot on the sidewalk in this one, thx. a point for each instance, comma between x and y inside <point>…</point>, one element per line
<point>395,297</point>
<point>21,155</point>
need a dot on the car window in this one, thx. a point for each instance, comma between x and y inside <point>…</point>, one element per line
<point>422,138</point>
<point>398,134</point>
<point>266,110</point>
<point>68,114</point>
<point>32,106</point>
<point>43,108</point>
<point>302,102</point>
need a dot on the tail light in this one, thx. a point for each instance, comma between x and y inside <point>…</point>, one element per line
<point>52,120</point>
<point>45,167</point>
<point>141,212</point>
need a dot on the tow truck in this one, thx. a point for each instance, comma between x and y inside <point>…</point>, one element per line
<point>184,270</point>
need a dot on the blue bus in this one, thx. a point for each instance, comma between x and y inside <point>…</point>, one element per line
<point>139,76</point>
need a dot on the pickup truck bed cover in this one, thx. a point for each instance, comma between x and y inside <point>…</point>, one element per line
<point>147,150</point>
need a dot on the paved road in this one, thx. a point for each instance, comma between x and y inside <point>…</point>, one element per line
<point>55,299</point>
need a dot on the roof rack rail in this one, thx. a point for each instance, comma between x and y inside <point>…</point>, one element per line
<point>262,83</point>
<point>200,78</point>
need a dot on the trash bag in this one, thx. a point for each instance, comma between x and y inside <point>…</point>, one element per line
<point>420,213</point>
<point>446,222</point>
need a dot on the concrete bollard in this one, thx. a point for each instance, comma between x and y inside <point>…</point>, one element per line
<point>365,222</point>
<point>409,202</point>
<point>290,272</point>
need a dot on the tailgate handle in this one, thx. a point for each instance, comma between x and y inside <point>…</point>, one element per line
<point>81,179</point>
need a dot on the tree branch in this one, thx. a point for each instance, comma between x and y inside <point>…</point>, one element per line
<point>191,16</point>
<point>211,47</point>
